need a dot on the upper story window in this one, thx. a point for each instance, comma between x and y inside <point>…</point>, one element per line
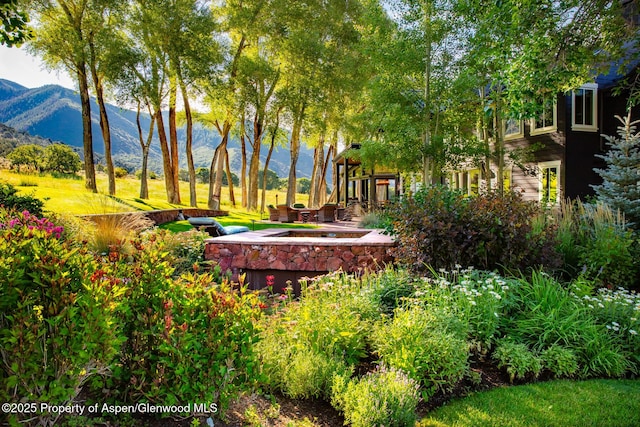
<point>584,103</point>
<point>513,129</point>
<point>546,120</point>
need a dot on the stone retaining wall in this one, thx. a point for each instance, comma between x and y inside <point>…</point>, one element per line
<point>317,258</point>
<point>166,215</point>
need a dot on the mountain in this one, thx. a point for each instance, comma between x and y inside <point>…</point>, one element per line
<point>53,112</point>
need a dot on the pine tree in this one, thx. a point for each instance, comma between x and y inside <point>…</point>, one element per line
<point>621,179</point>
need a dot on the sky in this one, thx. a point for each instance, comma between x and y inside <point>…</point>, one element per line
<point>20,67</point>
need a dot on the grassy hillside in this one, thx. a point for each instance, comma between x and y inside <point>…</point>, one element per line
<point>68,195</point>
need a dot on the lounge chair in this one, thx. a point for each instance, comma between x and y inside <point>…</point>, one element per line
<point>214,228</point>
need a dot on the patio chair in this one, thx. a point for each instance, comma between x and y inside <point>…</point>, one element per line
<point>327,212</point>
<point>287,213</point>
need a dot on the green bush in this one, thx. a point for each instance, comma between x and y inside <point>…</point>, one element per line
<point>517,359</point>
<point>429,345</point>
<point>391,287</point>
<point>308,374</point>
<point>57,328</point>
<point>10,200</point>
<point>440,228</point>
<point>120,172</point>
<point>186,249</point>
<point>187,339</point>
<point>384,397</point>
<point>561,361</point>
<point>328,326</point>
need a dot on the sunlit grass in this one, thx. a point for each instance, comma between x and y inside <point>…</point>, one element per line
<point>602,403</point>
<point>68,195</point>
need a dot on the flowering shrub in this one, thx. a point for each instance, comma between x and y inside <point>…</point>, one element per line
<point>384,397</point>
<point>32,222</point>
<point>617,309</point>
<point>187,339</point>
<point>478,297</point>
<point>439,228</point>
<point>56,326</point>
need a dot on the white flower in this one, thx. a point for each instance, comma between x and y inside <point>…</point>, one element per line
<point>600,305</point>
<point>472,302</point>
<point>633,332</point>
<point>609,327</point>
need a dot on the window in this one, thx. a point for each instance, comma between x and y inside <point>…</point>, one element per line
<point>546,120</point>
<point>474,182</point>
<point>513,129</point>
<point>549,182</point>
<point>584,102</point>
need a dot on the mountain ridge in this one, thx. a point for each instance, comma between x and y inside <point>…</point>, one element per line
<point>53,112</point>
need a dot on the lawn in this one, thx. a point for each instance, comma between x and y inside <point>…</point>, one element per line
<point>69,195</point>
<point>601,403</point>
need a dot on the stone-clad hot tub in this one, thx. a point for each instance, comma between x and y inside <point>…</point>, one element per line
<point>289,254</point>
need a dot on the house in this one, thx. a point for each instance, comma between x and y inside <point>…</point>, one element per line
<point>361,187</point>
<point>569,133</point>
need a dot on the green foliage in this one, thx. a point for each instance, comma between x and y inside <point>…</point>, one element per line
<point>120,172</point>
<point>376,219</point>
<point>440,228</point>
<point>60,158</point>
<point>384,397</point>
<point>331,321</point>
<point>561,361</point>
<point>9,199</point>
<point>57,328</point>
<point>29,155</point>
<point>391,288</point>
<point>202,175</point>
<point>309,374</point>
<point>543,314</point>
<point>188,339</point>
<point>185,249</point>
<point>478,297</point>
<point>430,345</point>
<point>303,186</point>
<point>273,181</point>
<point>596,243</point>
<point>15,29</point>
<point>619,188</point>
<point>517,359</point>
<point>618,311</point>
